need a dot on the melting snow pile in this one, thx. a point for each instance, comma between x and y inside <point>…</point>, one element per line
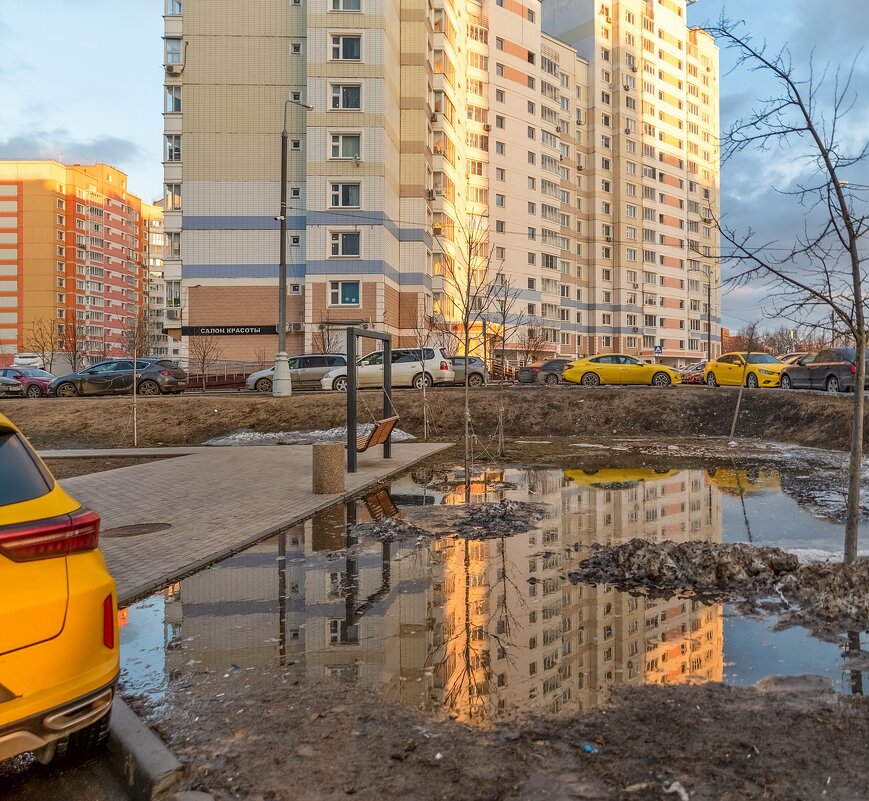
<point>338,434</point>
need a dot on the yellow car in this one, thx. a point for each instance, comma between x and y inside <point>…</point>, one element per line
<point>618,368</point>
<point>752,369</point>
<point>614,478</point>
<point>58,613</point>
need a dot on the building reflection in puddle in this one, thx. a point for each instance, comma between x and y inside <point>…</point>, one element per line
<point>481,628</point>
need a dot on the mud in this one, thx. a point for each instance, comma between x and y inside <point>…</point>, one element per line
<point>820,595</point>
<point>259,735</point>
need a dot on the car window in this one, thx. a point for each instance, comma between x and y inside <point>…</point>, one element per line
<point>845,354</point>
<point>169,365</point>
<point>807,359</point>
<point>630,360</point>
<point>336,361</point>
<point>457,360</point>
<point>316,361</point>
<point>826,356</point>
<point>140,366</point>
<point>126,365</point>
<point>102,367</point>
<point>762,358</point>
<point>293,364</point>
<point>605,360</point>
<point>23,479</point>
<point>372,358</point>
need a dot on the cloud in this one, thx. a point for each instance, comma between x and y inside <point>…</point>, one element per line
<point>63,146</point>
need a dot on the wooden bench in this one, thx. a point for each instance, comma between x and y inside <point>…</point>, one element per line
<point>377,436</point>
<point>380,504</point>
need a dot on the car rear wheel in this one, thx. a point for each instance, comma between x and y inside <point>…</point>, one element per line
<point>710,380</point>
<point>832,384</point>
<point>263,385</point>
<point>550,379</point>
<point>786,382</point>
<point>149,388</point>
<point>33,391</point>
<point>340,384</point>
<point>590,380</point>
<point>661,380</point>
<point>67,391</point>
<point>79,742</point>
<point>475,380</point>
<point>751,381</point>
<point>421,380</point>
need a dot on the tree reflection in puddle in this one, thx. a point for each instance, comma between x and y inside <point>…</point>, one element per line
<point>483,628</point>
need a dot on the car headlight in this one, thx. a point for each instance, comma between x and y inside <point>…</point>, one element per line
<point>766,372</point>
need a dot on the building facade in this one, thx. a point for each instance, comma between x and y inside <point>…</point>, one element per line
<point>548,169</point>
<point>71,260</point>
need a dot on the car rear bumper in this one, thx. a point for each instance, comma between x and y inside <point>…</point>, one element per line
<point>39,730</point>
<point>11,392</point>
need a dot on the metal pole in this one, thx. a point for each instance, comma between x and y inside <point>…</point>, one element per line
<point>709,318</point>
<point>281,383</point>
<point>387,393</point>
<point>351,400</point>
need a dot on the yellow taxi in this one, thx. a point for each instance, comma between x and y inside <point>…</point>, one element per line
<point>752,369</point>
<point>618,368</point>
<point>58,613</point>
<point>617,478</point>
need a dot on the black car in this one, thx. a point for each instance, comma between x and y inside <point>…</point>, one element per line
<point>832,370</point>
<point>547,372</point>
<point>115,377</point>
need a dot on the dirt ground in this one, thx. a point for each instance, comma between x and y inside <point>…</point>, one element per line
<point>69,468</point>
<point>803,418</point>
<point>259,735</point>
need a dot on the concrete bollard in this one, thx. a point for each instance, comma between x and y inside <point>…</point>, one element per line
<point>328,472</point>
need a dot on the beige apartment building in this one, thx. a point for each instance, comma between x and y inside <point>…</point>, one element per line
<point>559,157</point>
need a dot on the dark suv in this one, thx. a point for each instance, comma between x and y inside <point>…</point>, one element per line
<point>832,370</point>
<point>548,372</point>
<point>115,377</point>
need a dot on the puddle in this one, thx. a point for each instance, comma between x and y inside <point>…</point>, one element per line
<point>492,628</point>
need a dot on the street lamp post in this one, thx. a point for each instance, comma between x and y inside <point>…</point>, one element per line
<point>281,382</point>
<point>708,309</point>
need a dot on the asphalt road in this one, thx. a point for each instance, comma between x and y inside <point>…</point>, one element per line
<point>24,779</point>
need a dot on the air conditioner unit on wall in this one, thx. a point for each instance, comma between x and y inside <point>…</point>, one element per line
<point>174,69</point>
<point>295,328</point>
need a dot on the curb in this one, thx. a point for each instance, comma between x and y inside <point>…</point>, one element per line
<point>146,766</point>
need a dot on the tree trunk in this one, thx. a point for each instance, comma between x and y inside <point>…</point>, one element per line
<point>467,412</point>
<point>855,465</point>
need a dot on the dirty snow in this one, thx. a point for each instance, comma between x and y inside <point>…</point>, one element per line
<point>338,434</point>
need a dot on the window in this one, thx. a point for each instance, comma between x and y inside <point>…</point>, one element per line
<point>499,121</point>
<point>173,50</point>
<point>343,293</point>
<point>346,5</point>
<point>173,197</point>
<point>344,243</point>
<point>173,8</point>
<point>499,148</point>
<point>344,195</point>
<point>532,284</point>
<point>346,96</point>
<point>346,48</point>
<point>296,48</point>
<point>346,146</point>
<point>173,148</point>
<point>500,201</point>
<point>172,100</point>
<point>295,144</point>
<point>499,95</point>
<point>530,15</point>
<point>295,192</point>
<point>500,173</point>
<point>531,132</point>
<point>173,244</point>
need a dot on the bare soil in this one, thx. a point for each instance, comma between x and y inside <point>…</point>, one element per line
<point>259,735</point>
<point>71,467</point>
<point>804,418</point>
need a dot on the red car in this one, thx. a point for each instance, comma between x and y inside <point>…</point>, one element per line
<point>34,380</point>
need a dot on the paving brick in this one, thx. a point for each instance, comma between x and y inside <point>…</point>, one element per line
<point>217,500</point>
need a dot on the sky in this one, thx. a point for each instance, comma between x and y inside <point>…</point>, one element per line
<point>81,81</point>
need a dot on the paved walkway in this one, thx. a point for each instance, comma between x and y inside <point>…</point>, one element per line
<point>218,501</point>
<point>88,453</point>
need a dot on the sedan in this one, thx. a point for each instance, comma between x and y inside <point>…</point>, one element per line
<point>475,367</point>
<point>831,370</point>
<point>58,613</point>
<point>115,377</point>
<point>619,368</point>
<point>11,388</point>
<point>750,369</point>
<point>34,380</point>
<point>306,372</point>
<point>692,373</point>
<point>548,372</point>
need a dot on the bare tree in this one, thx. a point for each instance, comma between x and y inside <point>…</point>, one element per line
<point>137,336</point>
<point>509,319</point>
<point>750,336</point>
<point>263,357</point>
<point>469,279</point>
<point>42,339</point>
<point>329,336</point>
<point>531,340</point>
<point>422,339</point>
<point>204,351</point>
<point>821,275</point>
<point>75,344</point>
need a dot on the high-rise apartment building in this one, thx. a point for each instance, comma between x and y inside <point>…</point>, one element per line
<point>569,153</point>
<point>71,259</point>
